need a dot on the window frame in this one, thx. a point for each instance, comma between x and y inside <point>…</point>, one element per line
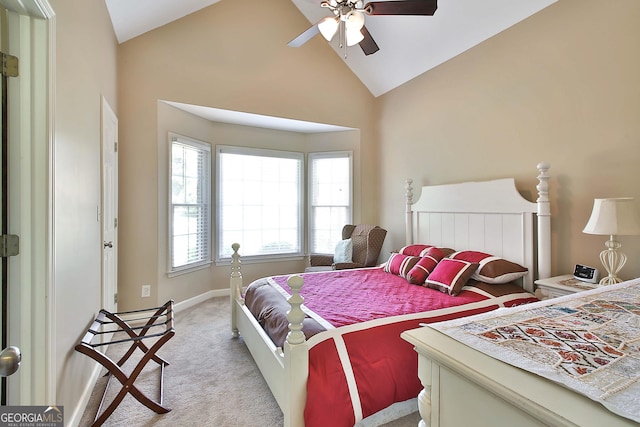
<point>259,152</point>
<point>310,208</point>
<point>206,259</point>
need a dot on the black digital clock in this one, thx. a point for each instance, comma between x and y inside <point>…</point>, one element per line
<point>586,274</point>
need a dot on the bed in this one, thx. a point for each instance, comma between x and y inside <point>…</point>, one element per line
<point>568,361</point>
<point>300,364</point>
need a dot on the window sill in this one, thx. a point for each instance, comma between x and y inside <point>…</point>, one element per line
<point>259,260</point>
<point>187,270</point>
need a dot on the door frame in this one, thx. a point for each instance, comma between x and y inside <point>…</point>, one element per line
<point>32,321</point>
<point>109,214</point>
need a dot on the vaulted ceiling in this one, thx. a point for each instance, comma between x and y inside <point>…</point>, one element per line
<point>409,45</point>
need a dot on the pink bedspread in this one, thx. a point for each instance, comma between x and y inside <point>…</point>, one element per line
<point>360,365</point>
<point>345,297</point>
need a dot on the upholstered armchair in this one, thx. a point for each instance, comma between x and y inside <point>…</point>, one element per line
<point>366,243</point>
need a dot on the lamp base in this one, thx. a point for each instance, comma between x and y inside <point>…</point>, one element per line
<point>610,280</point>
<point>613,261</point>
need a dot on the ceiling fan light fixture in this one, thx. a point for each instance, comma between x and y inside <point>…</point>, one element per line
<point>328,27</point>
<point>354,20</point>
<point>354,37</point>
<point>349,18</point>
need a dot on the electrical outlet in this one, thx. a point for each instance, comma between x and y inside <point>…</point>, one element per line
<point>146,291</point>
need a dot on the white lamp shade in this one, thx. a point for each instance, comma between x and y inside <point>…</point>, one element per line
<point>354,20</point>
<point>616,216</point>
<point>328,27</point>
<point>354,37</point>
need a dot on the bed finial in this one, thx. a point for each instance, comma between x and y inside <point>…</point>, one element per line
<point>295,316</point>
<point>409,191</point>
<point>409,214</point>
<point>544,222</point>
<point>235,261</point>
<point>543,182</point>
<point>235,287</point>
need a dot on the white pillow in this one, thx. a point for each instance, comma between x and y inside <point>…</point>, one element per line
<point>343,252</point>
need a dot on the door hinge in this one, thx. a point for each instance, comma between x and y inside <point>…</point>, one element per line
<point>9,245</point>
<point>115,298</point>
<point>9,65</point>
<point>115,222</point>
<point>115,147</point>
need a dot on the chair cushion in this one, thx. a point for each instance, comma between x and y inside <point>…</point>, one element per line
<point>343,252</point>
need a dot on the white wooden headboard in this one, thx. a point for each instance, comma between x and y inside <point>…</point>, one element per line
<point>488,216</point>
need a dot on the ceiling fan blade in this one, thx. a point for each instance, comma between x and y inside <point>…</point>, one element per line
<point>304,37</point>
<point>368,44</point>
<point>402,7</point>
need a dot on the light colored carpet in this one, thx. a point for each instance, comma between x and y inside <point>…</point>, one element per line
<point>211,380</point>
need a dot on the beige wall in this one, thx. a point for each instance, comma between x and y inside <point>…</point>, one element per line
<point>85,70</point>
<point>242,65</point>
<point>562,87</point>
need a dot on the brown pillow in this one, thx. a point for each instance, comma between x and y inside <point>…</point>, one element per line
<point>492,269</point>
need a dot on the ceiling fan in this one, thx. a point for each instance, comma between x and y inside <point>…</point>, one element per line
<point>349,16</point>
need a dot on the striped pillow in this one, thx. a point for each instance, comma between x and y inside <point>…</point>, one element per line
<point>450,275</point>
<point>400,264</point>
<point>492,269</point>
<point>414,250</point>
<point>427,263</point>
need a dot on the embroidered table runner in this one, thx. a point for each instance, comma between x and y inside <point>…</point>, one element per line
<point>588,342</point>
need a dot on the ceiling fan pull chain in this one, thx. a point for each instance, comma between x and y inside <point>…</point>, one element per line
<point>343,38</point>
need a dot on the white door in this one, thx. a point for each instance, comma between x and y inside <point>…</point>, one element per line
<point>109,208</point>
<point>10,356</point>
<point>25,33</point>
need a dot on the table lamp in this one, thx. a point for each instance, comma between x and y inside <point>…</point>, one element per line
<point>613,217</point>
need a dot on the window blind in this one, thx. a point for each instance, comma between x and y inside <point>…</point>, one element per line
<point>330,199</point>
<point>190,211</point>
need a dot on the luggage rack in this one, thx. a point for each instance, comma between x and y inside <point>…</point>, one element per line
<point>162,317</point>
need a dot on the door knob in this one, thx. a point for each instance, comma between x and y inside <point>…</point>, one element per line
<point>108,244</point>
<point>10,359</point>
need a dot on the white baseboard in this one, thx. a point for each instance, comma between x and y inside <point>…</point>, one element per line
<point>78,412</point>
<point>183,305</point>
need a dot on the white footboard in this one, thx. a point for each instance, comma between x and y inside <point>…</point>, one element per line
<point>285,371</point>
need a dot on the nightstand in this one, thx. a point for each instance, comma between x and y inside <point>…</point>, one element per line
<point>560,285</point>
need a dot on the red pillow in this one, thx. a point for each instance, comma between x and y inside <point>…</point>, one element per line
<point>421,250</point>
<point>414,250</point>
<point>450,275</point>
<point>400,264</point>
<point>492,269</point>
<point>427,263</point>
